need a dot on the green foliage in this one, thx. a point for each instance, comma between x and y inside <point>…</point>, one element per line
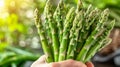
<point>10,27</point>
<point>13,24</point>
<point>15,57</point>
<point>104,3</point>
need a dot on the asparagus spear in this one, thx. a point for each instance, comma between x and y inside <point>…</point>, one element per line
<point>59,17</point>
<point>46,11</point>
<point>77,25</point>
<point>53,29</point>
<point>98,30</point>
<point>79,46</point>
<point>46,25</point>
<point>43,38</point>
<point>74,37</point>
<point>66,30</point>
<point>90,19</point>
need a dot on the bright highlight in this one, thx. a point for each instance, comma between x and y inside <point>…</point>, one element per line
<point>1,3</point>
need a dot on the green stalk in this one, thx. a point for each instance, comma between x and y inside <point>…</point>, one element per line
<point>46,48</point>
<point>65,37</point>
<point>59,18</point>
<point>81,32</point>
<point>46,24</point>
<point>91,39</point>
<point>54,34</point>
<point>90,19</point>
<point>77,25</point>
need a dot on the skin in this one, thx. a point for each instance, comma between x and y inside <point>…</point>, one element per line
<point>67,63</point>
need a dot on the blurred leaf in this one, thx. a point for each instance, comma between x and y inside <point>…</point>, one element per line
<point>2,46</point>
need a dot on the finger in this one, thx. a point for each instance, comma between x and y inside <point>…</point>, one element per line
<point>89,64</point>
<point>41,60</point>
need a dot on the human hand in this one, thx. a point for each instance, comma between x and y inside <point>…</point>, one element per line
<point>67,63</point>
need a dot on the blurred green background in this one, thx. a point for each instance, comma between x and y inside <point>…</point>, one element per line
<point>19,41</point>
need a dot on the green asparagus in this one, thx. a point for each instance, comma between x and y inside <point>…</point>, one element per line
<point>69,33</point>
<point>77,25</point>
<point>65,37</point>
<point>43,38</point>
<point>59,17</point>
<point>53,28</point>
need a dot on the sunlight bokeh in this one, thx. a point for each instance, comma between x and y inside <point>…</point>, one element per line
<point>3,13</point>
<point>1,3</point>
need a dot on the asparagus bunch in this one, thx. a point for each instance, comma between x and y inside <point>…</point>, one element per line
<point>75,34</point>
